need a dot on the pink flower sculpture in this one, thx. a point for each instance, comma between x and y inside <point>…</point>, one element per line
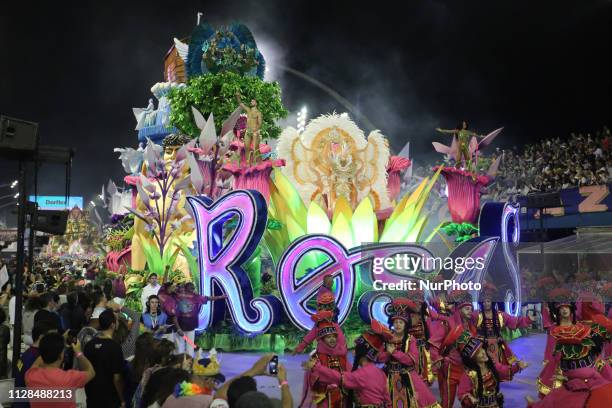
<point>464,190</point>
<point>395,166</point>
<point>256,177</point>
<point>116,261</point>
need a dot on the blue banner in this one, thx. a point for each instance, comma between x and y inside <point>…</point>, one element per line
<point>57,202</point>
<point>581,207</point>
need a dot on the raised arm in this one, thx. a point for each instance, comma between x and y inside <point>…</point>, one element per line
<point>453,131</point>
<point>242,105</point>
<point>516,322</point>
<point>308,338</point>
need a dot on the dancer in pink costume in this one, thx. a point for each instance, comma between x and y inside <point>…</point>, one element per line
<point>367,382</point>
<point>401,360</point>
<point>331,352</point>
<point>421,324</point>
<point>491,321</point>
<point>583,383</point>
<point>449,361</point>
<point>479,384</point>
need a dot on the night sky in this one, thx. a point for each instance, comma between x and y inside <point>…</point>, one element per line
<point>538,68</point>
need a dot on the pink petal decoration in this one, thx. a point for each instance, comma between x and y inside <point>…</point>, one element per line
<point>395,166</point>
<point>464,190</point>
<point>253,177</point>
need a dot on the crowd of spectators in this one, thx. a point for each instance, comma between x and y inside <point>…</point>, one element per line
<point>78,334</point>
<point>555,163</point>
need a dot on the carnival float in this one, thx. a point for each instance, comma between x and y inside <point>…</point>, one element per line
<point>211,168</point>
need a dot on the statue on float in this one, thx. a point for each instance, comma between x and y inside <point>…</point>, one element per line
<point>332,161</point>
<point>252,135</point>
<point>464,182</point>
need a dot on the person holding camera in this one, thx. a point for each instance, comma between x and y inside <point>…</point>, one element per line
<point>241,391</point>
<point>46,371</point>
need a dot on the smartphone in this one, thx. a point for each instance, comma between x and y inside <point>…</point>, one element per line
<point>71,337</point>
<point>273,365</point>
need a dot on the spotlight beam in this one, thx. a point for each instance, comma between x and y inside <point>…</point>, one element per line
<point>342,100</point>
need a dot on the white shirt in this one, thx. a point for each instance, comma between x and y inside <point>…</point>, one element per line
<point>146,292</point>
<point>97,312</point>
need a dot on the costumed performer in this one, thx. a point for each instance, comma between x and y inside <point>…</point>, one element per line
<point>420,325</point>
<point>331,353</point>
<point>401,358</point>
<point>463,135</point>
<point>490,322</point>
<point>479,384</point>
<point>252,135</point>
<point>449,361</point>
<point>583,373</point>
<point>367,382</point>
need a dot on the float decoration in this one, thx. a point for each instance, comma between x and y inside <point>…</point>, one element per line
<point>332,159</point>
<point>161,221</point>
<point>465,185</point>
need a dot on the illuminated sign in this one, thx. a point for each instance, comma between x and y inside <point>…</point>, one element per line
<point>221,257</point>
<point>57,202</point>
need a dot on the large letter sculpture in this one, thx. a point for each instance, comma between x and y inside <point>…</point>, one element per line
<point>221,262</point>
<point>296,293</point>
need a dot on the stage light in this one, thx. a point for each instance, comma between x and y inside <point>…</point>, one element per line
<point>92,203</point>
<point>301,119</point>
<point>14,183</point>
<point>16,195</point>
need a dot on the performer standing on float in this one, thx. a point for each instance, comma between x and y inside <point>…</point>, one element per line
<point>367,382</point>
<point>401,360</point>
<point>449,361</point>
<point>463,135</point>
<point>490,322</point>
<point>331,352</point>
<point>479,384</point>
<point>585,378</point>
<point>252,135</point>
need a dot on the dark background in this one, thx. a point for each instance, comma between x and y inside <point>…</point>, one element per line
<point>538,68</point>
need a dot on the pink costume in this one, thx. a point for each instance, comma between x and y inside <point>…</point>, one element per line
<point>369,383</point>
<point>588,383</point>
<point>451,369</point>
<point>489,331</point>
<point>469,384</point>
<point>315,392</point>
<point>404,381</point>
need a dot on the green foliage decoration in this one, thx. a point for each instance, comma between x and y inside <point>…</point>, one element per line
<point>216,94</point>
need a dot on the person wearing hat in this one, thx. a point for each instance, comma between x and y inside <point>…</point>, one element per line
<point>205,377</point>
<point>584,377</point>
<point>420,324</point>
<point>401,358</point>
<point>449,362</point>
<point>560,312</point>
<point>479,384</point>
<point>490,321</point>
<point>327,301</point>
<point>331,352</point>
<point>367,382</point>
